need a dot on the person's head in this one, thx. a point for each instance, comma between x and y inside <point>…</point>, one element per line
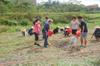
<point>46,18</point>
<point>37,20</point>
<point>38,17</point>
<point>50,21</point>
<point>80,17</point>
<point>67,27</point>
<point>74,18</point>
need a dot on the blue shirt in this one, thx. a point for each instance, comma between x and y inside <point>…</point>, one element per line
<point>46,26</point>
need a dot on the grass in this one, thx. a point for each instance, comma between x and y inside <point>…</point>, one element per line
<point>13,46</point>
<point>52,56</point>
<point>11,41</point>
<point>96,63</point>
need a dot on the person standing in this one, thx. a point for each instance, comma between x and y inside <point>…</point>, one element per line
<point>74,25</point>
<point>36,30</point>
<point>43,31</point>
<point>46,29</point>
<point>84,31</point>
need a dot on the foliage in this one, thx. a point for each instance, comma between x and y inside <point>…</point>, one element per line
<point>8,22</point>
<point>28,18</point>
<point>13,13</point>
<point>24,22</point>
<point>24,7</point>
<point>10,6</point>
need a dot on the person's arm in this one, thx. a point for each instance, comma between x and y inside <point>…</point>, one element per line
<point>71,24</point>
<point>48,27</point>
<point>83,29</point>
<point>33,28</point>
<point>79,25</point>
<point>82,26</point>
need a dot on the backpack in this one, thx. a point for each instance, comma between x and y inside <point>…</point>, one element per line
<point>56,30</point>
<point>30,31</point>
<point>97,32</point>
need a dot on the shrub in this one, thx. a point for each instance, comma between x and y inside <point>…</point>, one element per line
<point>24,22</point>
<point>8,22</point>
<point>25,18</point>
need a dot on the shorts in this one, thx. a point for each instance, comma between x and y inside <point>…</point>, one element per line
<point>74,31</point>
<point>84,35</point>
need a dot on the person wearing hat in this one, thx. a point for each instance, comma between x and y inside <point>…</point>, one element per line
<point>46,29</point>
<point>67,31</point>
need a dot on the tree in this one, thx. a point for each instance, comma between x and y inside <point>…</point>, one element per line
<point>74,2</point>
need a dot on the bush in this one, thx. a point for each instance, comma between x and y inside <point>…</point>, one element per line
<point>24,22</point>
<point>8,22</point>
<point>24,18</point>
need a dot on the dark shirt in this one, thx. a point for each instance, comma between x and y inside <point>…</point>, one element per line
<point>46,27</point>
<point>83,25</point>
<point>97,32</point>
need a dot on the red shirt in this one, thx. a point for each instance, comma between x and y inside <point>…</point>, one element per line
<point>69,30</point>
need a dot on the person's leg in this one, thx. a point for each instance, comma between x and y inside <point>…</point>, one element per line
<point>65,33</point>
<point>45,40</point>
<point>85,42</point>
<point>81,39</point>
<point>85,39</point>
<point>23,33</point>
<point>43,35</point>
<point>35,42</point>
<point>36,39</point>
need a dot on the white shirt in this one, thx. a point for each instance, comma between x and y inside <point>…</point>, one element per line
<point>75,24</point>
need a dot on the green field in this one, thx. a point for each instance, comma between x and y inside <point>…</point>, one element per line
<point>16,50</point>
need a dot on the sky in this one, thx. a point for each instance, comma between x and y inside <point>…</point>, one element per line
<point>85,2</point>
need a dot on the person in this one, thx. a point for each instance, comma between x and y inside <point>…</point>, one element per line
<point>56,30</point>
<point>73,40</point>
<point>67,31</point>
<point>36,30</point>
<point>24,31</point>
<point>84,31</point>
<point>43,31</point>
<point>46,29</point>
<point>30,31</point>
<point>74,25</point>
<point>96,33</point>
<point>78,33</point>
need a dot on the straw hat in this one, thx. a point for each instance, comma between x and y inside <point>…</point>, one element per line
<point>32,27</point>
<point>97,27</point>
<point>67,27</point>
<point>50,20</point>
